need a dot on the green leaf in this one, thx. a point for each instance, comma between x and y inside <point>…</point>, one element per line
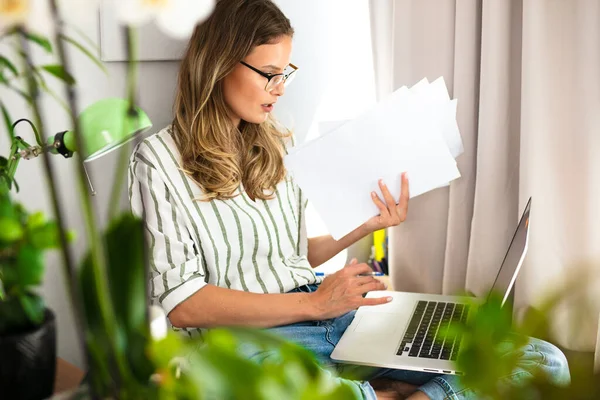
<point>39,40</point>
<point>5,183</point>
<point>126,272</point>
<point>100,364</point>
<point>98,342</point>
<point>42,83</point>
<point>162,351</point>
<point>59,72</point>
<point>85,37</point>
<point>54,95</point>
<point>2,291</point>
<point>13,319</point>
<point>7,209</point>
<point>85,51</point>
<point>8,64</point>
<point>45,237</point>
<point>10,279</point>
<point>10,230</point>
<point>232,368</point>
<point>40,77</point>
<point>33,306</point>
<point>20,211</point>
<point>7,122</point>
<point>36,220</point>
<point>30,266</point>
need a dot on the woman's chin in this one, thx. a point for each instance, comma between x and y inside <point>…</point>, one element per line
<point>257,119</point>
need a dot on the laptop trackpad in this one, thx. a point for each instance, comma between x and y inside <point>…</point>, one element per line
<point>378,323</point>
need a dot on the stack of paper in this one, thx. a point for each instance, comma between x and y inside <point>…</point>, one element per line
<point>413,130</point>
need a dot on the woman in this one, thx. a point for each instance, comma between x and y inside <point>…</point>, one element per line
<point>224,220</point>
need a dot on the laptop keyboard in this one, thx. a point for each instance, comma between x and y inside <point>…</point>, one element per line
<point>422,337</point>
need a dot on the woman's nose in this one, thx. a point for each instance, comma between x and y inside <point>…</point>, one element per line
<point>279,90</point>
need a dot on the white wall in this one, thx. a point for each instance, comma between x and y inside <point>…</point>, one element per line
<point>328,48</point>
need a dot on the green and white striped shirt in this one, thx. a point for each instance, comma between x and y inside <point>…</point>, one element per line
<point>258,247</point>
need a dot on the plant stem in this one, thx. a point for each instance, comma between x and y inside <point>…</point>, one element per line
<point>132,69</point>
<point>118,181</point>
<point>131,47</point>
<point>69,264</point>
<point>97,250</point>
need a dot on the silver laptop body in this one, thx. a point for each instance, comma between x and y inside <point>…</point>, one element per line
<point>395,335</point>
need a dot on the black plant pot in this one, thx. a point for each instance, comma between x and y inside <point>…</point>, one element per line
<point>28,362</point>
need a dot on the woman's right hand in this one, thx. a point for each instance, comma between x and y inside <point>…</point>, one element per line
<point>343,291</point>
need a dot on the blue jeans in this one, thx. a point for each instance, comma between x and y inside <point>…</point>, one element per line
<point>321,337</point>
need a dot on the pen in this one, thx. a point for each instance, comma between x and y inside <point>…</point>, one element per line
<point>368,274</point>
<point>377,267</point>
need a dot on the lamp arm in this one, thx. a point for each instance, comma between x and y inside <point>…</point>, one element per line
<point>17,146</point>
<point>33,128</point>
<point>21,149</point>
<point>13,161</point>
<point>58,145</point>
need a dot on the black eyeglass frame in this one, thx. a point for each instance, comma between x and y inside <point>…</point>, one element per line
<point>271,76</point>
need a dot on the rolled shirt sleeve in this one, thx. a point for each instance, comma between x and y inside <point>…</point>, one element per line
<point>176,268</point>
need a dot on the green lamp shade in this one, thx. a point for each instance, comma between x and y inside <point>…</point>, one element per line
<point>106,125</point>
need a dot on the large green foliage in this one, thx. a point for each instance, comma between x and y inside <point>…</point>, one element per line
<point>23,239</point>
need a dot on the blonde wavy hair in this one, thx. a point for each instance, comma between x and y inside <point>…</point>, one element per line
<point>217,155</point>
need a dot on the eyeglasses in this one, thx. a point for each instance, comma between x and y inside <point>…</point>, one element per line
<point>274,80</point>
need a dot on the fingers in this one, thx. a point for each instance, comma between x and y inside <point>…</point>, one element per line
<point>357,269</point>
<point>368,283</point>
<point>374,301</point>
<point>390,212</point>
<point>363,280</point>
<point>383,210</point>
<point>404,197</point>
<point>369,287</point>
<point>389,200</point>
<point>351,265</point>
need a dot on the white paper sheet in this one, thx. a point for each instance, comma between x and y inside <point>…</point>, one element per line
<point>435,95</point>
<point>409,131</point>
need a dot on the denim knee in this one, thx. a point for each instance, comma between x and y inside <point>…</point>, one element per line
<point>553,364</point>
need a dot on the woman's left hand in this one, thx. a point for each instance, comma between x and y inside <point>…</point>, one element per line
<point>390,213</point>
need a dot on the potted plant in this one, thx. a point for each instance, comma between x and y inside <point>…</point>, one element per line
<point>27,327</point>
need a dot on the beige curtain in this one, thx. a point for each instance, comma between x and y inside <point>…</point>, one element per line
<point>526,74</point>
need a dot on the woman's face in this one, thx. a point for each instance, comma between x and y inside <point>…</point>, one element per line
<point>244,89</point>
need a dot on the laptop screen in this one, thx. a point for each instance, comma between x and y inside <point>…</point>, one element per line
<point>514,256</point>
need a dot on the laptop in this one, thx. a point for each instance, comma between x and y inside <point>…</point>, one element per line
<point>401,334</point>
